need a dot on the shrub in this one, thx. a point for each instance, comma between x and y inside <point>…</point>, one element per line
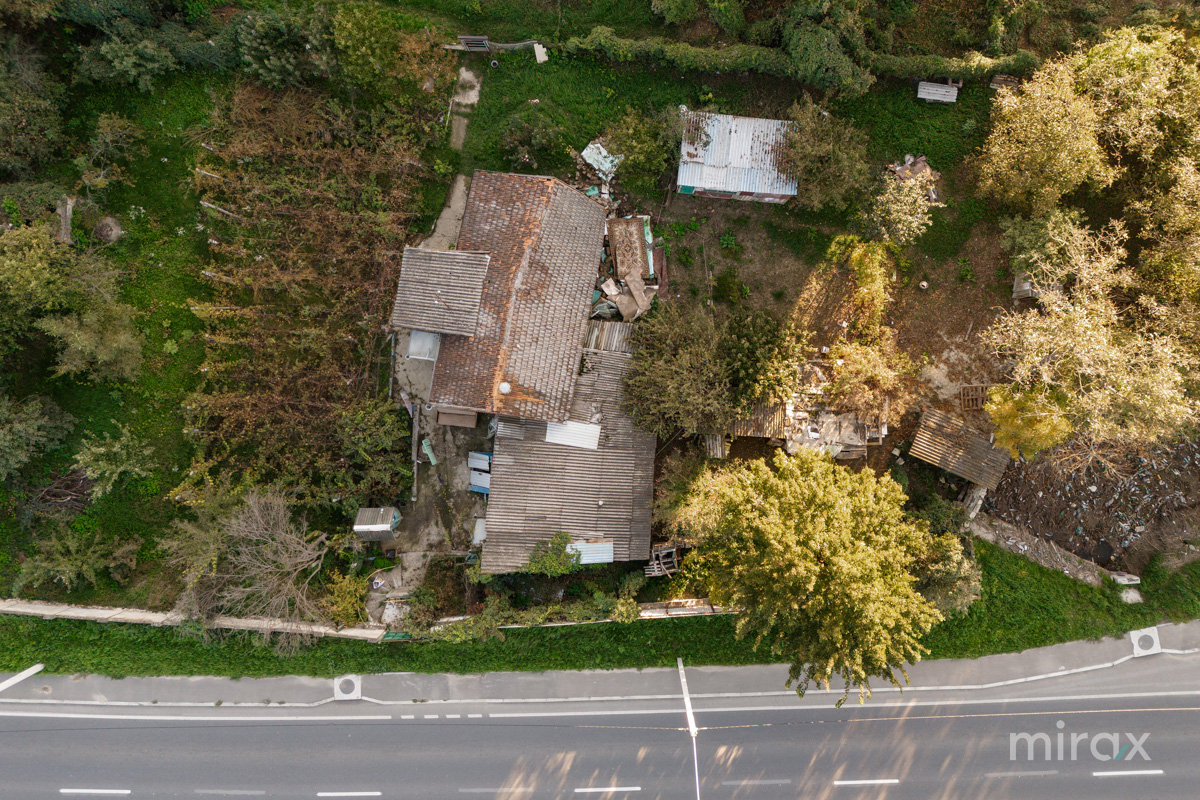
<point>281,49</point>
<point>30,119</point>
<point>28,428</point>
<point>531,141</point>
<point>730,15</point>
<point>128,56</point>
<point>674,12</point>
<point>345,602</point>
<point>101,342</point>
<point>734,58</point>
<point>898,211</point>
<point>649,143</point>
<point>78,552</point>
<point>765,357</point>
<point>107,461</point>
<point>552,557</point>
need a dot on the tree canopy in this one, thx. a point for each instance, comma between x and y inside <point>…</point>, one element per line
<point>819,561</point>
<point>825,155</point>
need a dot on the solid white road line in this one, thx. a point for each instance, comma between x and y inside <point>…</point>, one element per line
<point>94,791</point>
<point>178,718</point>
<point>20,676</point>
<point>1039,774</point>
<point>1123,773</point>
<point>603,789</point>
<point>868,782</point>
<point>349,794</point>
<point>756,782</point>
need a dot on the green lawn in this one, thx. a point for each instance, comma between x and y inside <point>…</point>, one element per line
<point>1023,606</point>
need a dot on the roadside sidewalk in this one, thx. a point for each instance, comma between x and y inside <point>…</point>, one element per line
<point>1107,665</point>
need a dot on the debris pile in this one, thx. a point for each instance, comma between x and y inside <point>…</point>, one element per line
<point>1100,513</point>
<point>629,275</point>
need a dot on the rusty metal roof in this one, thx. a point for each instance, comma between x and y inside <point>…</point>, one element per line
<point>540,488</point>
<point>439,291</point>
<point>545,240</point>
<point>725,153</point>
<point>949,443</point>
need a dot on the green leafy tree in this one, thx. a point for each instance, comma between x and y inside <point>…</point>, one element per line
<point>129,55</point>
<point>283,48</point>
<point>1030,420</point>
<point>819,562</point>
<point>1145,88</point>
<point>1045,143</point>
<point>381,50</point>
<point>898,211</point>
<point>28,428</point>
<point>551,557</point>
<point>947,573</point>
<point>1038,240</point>
<point>108,461</point>
<point>345,600</point>
<point>870,372</point>
<point>1169,210</point>
<point>532,140</point>
<point>1120,382</point>
<point>729,15</point>
<point>101,342</point>
<point>29,12</point>
<point>826,46</point>
<point>677,378</point>
<point>100,165</point>
<point>648,144</point>
<point>32,267</point>
<point>825,155</point>
<point>765,357</point>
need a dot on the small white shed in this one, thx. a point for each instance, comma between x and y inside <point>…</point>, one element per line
<point>376,524</point>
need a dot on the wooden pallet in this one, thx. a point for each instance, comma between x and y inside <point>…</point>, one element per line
<point>972,398</point>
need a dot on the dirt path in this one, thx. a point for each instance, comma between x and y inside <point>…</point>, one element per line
<point>445,232</point>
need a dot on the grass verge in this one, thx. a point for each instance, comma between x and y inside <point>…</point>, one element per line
<point>1023,606</point>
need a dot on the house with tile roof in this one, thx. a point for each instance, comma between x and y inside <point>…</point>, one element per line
<point>505,319</point>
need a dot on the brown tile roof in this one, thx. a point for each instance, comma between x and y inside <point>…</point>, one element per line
<point>439,291</point>
<point>539,488</point>
<point>947,442</point>
<point>545,240</point>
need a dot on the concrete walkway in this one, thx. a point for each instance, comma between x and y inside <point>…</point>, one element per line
<point>445,232</point>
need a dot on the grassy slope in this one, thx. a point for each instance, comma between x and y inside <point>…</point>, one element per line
<point>160,252</point>
<point>1023,605</point>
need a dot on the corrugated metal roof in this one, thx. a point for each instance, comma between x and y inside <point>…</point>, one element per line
<point>608,335</point>
<point>947,442</point>
<point>725,153</point>
<point>595,552</point>
<point>573,434</point>
<point>540,488</point>
<point>439,290</point>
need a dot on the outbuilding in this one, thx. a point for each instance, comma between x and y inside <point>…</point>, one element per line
<point>732,158</point>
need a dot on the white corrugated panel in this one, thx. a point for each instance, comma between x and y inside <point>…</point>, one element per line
<point>479,461</point>
<point>482,479</point>
<point>480,531</point>
<point>593,552</point>
<point>424,345</point>
<point>739,157</point>
<point>573,434</point>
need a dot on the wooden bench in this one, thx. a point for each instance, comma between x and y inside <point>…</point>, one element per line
<point>936,92</point>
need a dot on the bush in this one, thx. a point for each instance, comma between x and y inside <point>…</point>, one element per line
<point>101,342</point>
<point>898,211</point>
<point>28,428</point>
<point>107,461</point>
<point>649,143</point>
<point>345,602</point>
<point>30,119</point>
<point>281,49</point>
<point>734,58</point>
<point>128,56</point>
<point>552,557</point>
<point>730,15</point>
<point>675,12</point>
<point>78,552</point>
<point>532,141</point>
<point>765,357</point>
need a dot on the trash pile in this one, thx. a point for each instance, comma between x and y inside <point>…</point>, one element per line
<point>1097,513</point>
<point>629,271</point>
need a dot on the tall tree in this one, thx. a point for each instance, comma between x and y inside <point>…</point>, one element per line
<point>1045,142</point>
<point>1116,378</point>
<point>825,155</point>
<point>819,561</point>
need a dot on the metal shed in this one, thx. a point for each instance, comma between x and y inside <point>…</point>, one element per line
<point>376,524</point>
<point>949,443</point>
<point>732,157</point>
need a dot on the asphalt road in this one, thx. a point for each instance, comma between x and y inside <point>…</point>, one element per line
<point>629,750</point>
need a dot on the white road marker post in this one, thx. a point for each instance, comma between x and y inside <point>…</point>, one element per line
<point>691,720</point>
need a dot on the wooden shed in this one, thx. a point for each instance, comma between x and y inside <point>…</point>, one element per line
<point>949,443</point>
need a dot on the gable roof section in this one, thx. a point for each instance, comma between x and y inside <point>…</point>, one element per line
<point>540,488</point>
<point>725,153</point>
<point>439,291</point>
<point>947,442</point>
<point>545,240</point>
